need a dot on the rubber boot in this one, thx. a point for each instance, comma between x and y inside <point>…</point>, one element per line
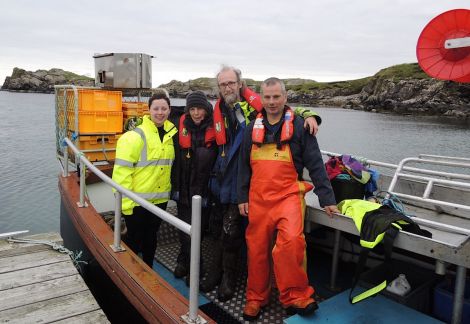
<point>182,265</point>
<point>214,271</point>
<point>182,262</point>
<point>226,288</point>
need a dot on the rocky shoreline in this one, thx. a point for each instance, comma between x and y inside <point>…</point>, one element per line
<point>401,89</point>
<point>410,96</point>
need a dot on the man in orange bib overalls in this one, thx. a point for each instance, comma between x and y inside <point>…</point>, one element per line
<point>275,150</point>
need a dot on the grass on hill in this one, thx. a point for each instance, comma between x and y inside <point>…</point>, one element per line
<point>69,76</point>
<point>402,71</point>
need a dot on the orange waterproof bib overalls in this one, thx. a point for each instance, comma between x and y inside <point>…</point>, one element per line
<point>276,202</point>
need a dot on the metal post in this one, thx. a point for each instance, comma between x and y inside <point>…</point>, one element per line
<point>440,268</point>
<point>117,223</point>
<point>192,316</point>
<point>459,294</point>
<point>334,262</point>
<point>82,202</point>
<point>66,162</point>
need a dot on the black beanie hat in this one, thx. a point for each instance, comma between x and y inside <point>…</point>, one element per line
<point>198,99</point>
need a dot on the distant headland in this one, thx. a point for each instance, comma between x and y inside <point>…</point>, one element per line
<point>401,89</point>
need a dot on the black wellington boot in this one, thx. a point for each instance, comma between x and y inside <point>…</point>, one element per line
<point>182,264</point>
<point>214,271</point>
<point>181,269</point>
<point>227,286</point>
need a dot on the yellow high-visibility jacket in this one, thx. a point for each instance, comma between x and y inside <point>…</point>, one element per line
<point>143,163</point>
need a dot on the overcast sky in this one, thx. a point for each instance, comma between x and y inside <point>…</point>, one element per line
<point>324,40</point>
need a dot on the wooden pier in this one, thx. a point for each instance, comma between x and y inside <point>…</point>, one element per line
<point>41,285</point>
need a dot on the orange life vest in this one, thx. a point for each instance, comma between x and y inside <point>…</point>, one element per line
<point>253,99</point>
<point>185,135</point>
<point>287,130</point>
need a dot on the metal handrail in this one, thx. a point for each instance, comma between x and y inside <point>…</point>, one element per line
<point>447,175</point>
<point>443,157</point>
<point>193,230</point>
<point>439,160</point>
<point>430,181</point>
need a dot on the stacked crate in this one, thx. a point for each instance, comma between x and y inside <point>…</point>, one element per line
<point>132,111</point>
<point>100,120</point>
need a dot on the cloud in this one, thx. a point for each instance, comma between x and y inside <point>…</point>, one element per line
<point>321,40</point>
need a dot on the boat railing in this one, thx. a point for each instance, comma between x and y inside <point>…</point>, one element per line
<point>430,178</point>
<point>451,248</point>
<point>391,166</point>
<point>430,183</point>
<point>194,230</point>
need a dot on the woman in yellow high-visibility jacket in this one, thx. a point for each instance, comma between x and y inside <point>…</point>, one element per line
<point>144,157</point>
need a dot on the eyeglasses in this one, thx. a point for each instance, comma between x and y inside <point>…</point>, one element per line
<point>230,84</point>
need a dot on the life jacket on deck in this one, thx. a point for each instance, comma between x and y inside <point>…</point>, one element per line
<point>376,223</point>
<point>252,98</point>
<point>185,135</point>
<point>287,129</point>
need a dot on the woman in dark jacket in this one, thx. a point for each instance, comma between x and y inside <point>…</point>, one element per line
<point>198,152</point>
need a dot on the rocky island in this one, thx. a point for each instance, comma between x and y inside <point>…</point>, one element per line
<point>43,81</point>
<point>401,89</point>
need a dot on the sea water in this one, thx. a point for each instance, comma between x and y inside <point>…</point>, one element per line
<point>29,198</point>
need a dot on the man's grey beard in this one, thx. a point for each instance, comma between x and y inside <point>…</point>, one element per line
<point>231,99</point>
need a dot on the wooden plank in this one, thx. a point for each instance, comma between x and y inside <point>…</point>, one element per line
<point>52,310</point>
<point>92,317</point>
<point>9,249</point>
<point>30,276</point>
<point>31,260</point>
<point>37,292</point>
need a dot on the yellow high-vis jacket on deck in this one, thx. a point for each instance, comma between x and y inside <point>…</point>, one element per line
<point>143,163</point>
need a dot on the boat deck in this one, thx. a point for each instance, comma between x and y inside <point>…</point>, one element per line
<point>334,304</point>
<point>39,284</point>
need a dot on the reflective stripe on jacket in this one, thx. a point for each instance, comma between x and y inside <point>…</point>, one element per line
<point>143,163</point>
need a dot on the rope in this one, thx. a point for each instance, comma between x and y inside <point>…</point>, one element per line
<point>75,256</point>
<point>393,202</point>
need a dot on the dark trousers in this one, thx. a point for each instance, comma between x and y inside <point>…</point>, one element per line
<point>142,228</point>
<point>227,226</point>
<point>184,213</point>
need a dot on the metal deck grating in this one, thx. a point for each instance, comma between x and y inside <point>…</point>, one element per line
<point>167,251</point>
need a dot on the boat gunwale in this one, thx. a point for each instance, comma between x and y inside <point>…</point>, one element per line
<point>132,276</point>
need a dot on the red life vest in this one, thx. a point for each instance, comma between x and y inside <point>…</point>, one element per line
<point>253,99</point>
<point>287,130</point>
<point>185,135</point>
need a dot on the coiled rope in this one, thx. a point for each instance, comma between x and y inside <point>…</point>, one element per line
<point>392,201</point>
<point>74,256</point>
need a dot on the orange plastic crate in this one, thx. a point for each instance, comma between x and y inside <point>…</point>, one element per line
<point>96,100</point>
<point>98,148</point>
<point>133,109</point>
<point>96,122</point>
